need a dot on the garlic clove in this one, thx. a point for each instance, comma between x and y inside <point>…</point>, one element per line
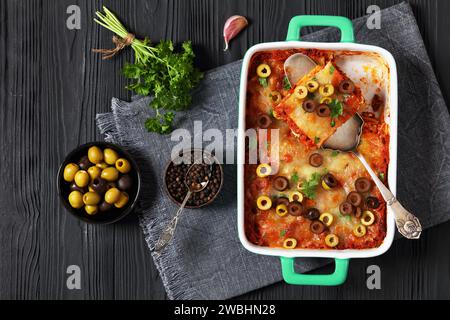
<point>232,27</point>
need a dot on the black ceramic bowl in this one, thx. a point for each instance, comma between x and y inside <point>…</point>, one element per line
<point>213,197</point>
<point>114,214</point>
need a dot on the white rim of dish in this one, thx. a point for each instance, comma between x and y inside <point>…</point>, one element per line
<point>392,168</point>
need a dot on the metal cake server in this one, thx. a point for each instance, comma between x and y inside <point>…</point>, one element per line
<point>296,66</point>
<point>346,139</point>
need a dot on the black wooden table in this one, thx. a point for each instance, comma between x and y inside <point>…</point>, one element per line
<point>52,87</point>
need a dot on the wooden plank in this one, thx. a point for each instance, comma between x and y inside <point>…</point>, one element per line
<point>52,87</point>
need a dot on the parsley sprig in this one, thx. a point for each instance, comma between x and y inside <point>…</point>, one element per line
<point>263,82</point>
<point>309,187</point>
<point>337,109</point>
<point>160,71</point>
<point>286,83</point>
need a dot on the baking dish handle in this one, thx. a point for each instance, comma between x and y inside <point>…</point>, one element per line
<point>334,279</point>
<point>342,23</point>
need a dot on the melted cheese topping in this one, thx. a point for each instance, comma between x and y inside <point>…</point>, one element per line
<point>317,128</point>
<point>265,227</point>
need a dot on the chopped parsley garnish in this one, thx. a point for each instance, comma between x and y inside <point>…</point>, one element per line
<point>334,153</point>
<point>263,82</point>
<point>283,233</point>
<point>331,69</point>
<point>294,177</point>
<point>286,83</point>
<point>337,109</point>
<point>271,113</point>
<point>309,187</point>
<point>381,175</point>
<point>316,140</point>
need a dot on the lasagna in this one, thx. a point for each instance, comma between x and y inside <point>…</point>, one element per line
<point>312,198</point>
<point>319,103</point>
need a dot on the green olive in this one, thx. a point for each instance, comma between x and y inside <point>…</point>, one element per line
<point>102,165</point>
<point>110,174</point>
<point>110,156</point>
<point>82,178</point>
<point>95,154</point>
<point>123,200</point>
<point>76,199</point>
<point>91,198</point>
<point>123,165</point>
<point>69,171</point>
<point>112,195</point>
<point>91,210</point>
<point>94,172</point>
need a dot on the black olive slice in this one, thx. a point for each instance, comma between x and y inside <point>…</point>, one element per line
<point>346,208</point>
<point>354,198</point>
<point>316,159</point>
<point>372,202</point>
<point>295,208</point>
<point>377,103</point>
<point>309,105</point>
<point>312,214</point>
<point>283,200</point>
<point>363,185</point>
<point>280,183</point>
<point>330,180</point>
<point>358,212</point>
<point>346,86</point>
<point>323,110</point>
<point>317,227</point>
<point>263,121</point>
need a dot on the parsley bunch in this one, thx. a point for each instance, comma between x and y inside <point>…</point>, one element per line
<point>160,71</point>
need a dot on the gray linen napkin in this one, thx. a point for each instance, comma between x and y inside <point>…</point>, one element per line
<point>206,260</point>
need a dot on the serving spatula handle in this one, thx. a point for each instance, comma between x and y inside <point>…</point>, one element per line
<point>407,224</point>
